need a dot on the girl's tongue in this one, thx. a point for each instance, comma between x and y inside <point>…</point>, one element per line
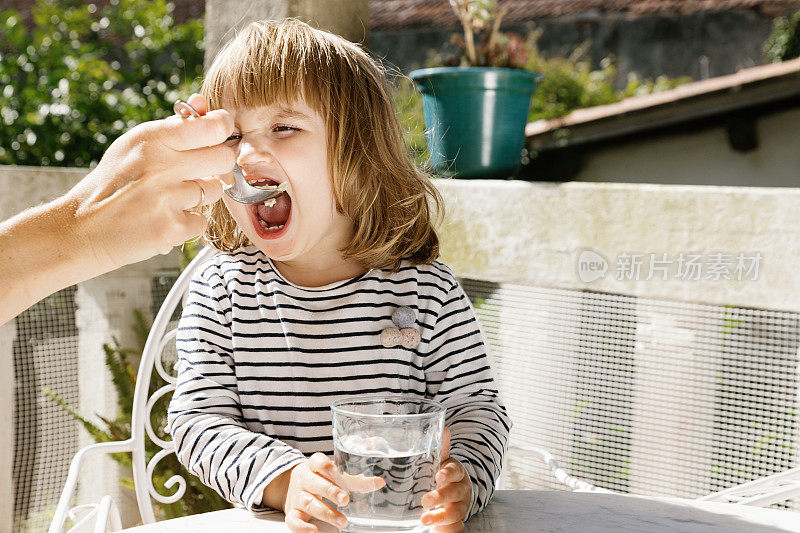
<point>277,214</point>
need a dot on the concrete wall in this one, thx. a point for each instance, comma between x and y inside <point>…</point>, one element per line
<point>703,157</point>
<point>541,233</point>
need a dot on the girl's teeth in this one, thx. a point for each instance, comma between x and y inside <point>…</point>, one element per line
<point>264,225</point>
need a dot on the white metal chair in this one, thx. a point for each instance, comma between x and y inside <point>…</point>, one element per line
<point>763,492</point>
<point>104,513</point>
<point>561,475</point>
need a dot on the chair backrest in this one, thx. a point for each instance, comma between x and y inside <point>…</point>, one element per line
<point>160,337</point>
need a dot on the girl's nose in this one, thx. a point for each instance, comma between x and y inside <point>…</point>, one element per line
<point>250,152</point>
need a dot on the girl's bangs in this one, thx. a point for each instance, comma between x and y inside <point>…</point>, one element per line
<point>253,70</point>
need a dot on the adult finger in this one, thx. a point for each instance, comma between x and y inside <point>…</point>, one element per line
<point>446,444</point>
<point>182,134</point>
<point>313,506</point>
<point>198,103</point>
<point>190,195</point>
<point>451,472</point>
<point>298,522</point>
<point>199,163</point>
<point>212,187</point>
<point>194,224</point>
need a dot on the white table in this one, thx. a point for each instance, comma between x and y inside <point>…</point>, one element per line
<point>522,511</point>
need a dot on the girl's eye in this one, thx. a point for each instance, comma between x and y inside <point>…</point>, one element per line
<point>284,128</point>
<point>234,137</point>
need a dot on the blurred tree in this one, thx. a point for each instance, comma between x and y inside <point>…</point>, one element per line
<point>85,74</point>
<point>783,42</point>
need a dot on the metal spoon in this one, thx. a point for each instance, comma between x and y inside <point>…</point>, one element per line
<point>241,191</point>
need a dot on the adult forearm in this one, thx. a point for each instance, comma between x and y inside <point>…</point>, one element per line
<point>39,255</point>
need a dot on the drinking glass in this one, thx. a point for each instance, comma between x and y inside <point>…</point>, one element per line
<point>396,439</point>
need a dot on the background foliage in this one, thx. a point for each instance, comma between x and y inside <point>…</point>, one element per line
<point>85,74</point>
<point>783,42</point>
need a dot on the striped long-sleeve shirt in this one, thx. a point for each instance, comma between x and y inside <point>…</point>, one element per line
<point>262,359</point>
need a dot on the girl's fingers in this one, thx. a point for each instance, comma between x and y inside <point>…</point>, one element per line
<point>452,492</point>
<point>450,472</point>
<point>313,506</point>
<point>451,513</point>
<point>449,528</point>
<point>298,522</point>
<point>323,487</point>
<point>362,483</point>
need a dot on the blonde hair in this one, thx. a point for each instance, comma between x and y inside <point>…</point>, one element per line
<point>392,204</point>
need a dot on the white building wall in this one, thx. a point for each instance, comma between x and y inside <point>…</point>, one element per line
<point>704,158</point>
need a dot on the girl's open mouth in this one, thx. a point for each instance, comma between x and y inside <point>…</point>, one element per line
<point>271,221</point>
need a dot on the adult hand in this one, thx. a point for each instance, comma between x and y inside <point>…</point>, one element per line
<point>137,202</point>
<point>447,506</point>
<point>314,481</point>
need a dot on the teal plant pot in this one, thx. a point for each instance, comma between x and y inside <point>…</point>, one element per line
<point>475,118</point>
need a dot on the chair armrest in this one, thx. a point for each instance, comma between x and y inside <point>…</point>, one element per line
<point>560,474</point>
<point>106,504</point>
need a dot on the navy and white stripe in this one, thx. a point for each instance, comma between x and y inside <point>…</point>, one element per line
<point>261,360</point>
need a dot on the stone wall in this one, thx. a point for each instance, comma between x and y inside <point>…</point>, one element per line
<point>541,234</point>
<point>650,46</point>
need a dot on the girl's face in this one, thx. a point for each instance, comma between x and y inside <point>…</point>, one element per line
<point>288,144</point>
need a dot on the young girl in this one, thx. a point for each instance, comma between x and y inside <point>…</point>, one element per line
<point>333,291</point>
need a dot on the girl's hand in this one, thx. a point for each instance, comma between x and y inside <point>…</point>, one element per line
<point>314,481</point>
<point>452,496</point>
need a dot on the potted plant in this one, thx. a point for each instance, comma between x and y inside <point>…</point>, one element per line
<point>475,113</point>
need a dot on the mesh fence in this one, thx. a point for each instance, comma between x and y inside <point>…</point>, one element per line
<point>632,394</point>
<point>45,353</point>
<point>641,395</point>
<point>45,357</point>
